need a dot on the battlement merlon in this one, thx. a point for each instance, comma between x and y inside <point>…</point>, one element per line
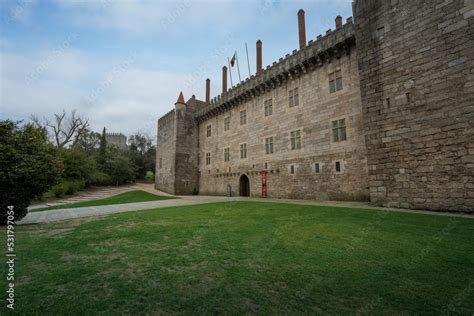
<point>334,43</point>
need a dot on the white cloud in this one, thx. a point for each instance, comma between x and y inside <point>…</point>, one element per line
<point>145,16</point>
<point>132,99</point>
<point>123,94</point>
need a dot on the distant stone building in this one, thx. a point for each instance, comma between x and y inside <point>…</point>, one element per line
<point>117,139</point>
<point>378,109</point>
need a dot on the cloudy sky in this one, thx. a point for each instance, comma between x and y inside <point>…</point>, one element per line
<point>122,63</point>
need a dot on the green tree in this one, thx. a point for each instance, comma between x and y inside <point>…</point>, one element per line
<point>119,166</point>
<point>88,141</point>
<point>102,150</point>
<point>29,166</point>
<point>142,153</point>
<point>78,165</point>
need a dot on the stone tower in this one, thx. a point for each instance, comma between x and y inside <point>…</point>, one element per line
<point>177,149</point>
<point>416,61</point>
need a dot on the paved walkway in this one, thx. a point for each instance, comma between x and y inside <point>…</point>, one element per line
<point>72,213</point>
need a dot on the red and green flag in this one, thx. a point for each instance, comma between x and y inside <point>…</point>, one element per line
<point>232,61</point>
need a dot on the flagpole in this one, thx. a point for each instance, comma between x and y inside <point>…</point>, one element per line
<point>238,69</point>
<point>248,62</point>
<point>230,72</point>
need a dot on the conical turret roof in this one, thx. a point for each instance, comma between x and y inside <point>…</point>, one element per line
<point>180,98</point>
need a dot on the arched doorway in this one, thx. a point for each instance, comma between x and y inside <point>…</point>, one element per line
<point>244,185</point>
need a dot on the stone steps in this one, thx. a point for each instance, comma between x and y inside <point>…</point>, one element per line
<point>89,195</point>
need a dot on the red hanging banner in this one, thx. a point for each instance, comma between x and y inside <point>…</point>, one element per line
<point>264,183</point>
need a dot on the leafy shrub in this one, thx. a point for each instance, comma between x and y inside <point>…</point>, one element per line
<point>99,178</point>
<point>75,186</point>
<point>150,176</point>
<point>77,164</point>
<point>28,167</point>
<point>59,190</point>
<point>119,166</point>
<point>68,187</point>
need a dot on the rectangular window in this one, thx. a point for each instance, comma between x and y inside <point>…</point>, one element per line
<point>268,107</point>
<point>269,145</point>
<point>243,151</point>
<point>293,99</point>
<point>226,154</point>
<point>227,123</point>
<point>338,80</point>
<point>243,117</point>
<point>295,139</point>
<point>338,166</point>
<point>265,165</point>
<point>160,164</point>
<point>316,168</point>
<point>208,132</point>
<point>339,130</point>
<point>335,81</point>
<point>292,169</point>
<point>208,158</point>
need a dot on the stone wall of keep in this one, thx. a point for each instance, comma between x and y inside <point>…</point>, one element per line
<point>186,181</point>
<point>166,152</point>
<point>416,61</point>
<point>313,116</point>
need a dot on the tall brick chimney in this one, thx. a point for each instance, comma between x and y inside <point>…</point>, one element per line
<point>301,29</point>
<point>224,79</point>
<point>338,21</point>
<point>259,57</point>
<point>208,90</point>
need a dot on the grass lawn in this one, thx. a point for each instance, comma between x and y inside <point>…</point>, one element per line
<point>127,197</point>
<point>246,257</point>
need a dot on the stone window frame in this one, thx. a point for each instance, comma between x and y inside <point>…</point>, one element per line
<point>294,145</point>
<point>243,117</point>
<point>268,107</point>
<point>342,166</point>
<point>272,145</point>
<point>335,80</point>
<point>208,158</point>
<point>339,130</point>
<point>292,169</point>
<point>208,130</point>
<point>243,151</point>
<point>317,167</point>
<point>226,154</point>
<point>293,97</point>
<point>160,163</point>
<point>226,123</point>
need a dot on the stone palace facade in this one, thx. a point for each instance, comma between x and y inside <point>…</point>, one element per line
<point>380,108</point>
